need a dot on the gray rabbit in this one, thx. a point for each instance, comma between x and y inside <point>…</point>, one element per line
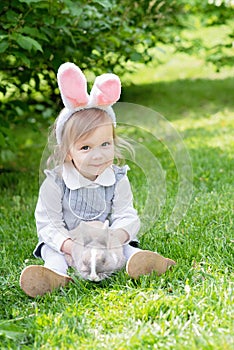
<point>97,252</point>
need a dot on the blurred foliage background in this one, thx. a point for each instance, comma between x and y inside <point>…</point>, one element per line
<point>36,36</point>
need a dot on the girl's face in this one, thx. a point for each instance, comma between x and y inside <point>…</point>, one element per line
<point>94,152</point>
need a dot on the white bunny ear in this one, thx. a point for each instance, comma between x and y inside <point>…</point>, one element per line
<point>72,85</point>
<point>106,90</point>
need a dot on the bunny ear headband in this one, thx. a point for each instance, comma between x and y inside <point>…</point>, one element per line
<point>73,88</point>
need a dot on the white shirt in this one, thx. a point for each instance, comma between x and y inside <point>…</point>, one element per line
<point>51,227</point>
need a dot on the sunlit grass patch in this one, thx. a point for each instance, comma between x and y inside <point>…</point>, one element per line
<point>191,306</point>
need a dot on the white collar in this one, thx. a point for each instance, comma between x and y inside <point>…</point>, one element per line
<point>74,180</point>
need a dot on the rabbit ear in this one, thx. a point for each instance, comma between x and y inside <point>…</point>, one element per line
<point>72,85</point>
<point>106,90</point>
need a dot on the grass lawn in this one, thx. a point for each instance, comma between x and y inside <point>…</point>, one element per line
<point>191,306</point>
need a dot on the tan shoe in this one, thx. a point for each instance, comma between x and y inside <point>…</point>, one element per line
<point>144,262</point>
<point>38,280</point>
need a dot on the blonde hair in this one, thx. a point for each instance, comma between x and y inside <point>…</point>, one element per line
<point>82,123</point>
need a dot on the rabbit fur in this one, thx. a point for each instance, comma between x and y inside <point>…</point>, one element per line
<point>97,252</point>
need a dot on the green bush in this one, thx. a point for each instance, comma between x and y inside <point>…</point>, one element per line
<point>36,36</point>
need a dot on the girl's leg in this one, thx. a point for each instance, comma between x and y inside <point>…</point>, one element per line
<point>128,251</point>
<point>53,260</point>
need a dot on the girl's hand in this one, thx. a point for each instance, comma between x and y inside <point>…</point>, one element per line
<point>67,246</point>
<point>120,234</point>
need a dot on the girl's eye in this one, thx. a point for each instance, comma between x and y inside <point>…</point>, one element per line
<point>85,148</point>
<point>105,144</point>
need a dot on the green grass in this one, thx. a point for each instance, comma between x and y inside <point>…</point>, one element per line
<point>190,307</point>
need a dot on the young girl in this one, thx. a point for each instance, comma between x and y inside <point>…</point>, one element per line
<point>85,185</point>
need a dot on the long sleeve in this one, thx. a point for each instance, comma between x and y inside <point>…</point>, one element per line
<point>123,214</point>
<point>49,215</point>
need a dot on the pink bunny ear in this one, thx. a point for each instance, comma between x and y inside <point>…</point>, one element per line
<point>106,90</point>
<point>72,85</point>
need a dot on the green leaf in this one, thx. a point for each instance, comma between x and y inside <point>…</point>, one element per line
<point>2,139</point>
<point>26,42</point>
<point>33,32</point>
<point>76,12</point>
<point>3,46</point>
<point>103,3</point>
<point>30,1</point>
<point>2,37</point>
<point>12,16</point>
<point>48,19</point>
<point>6,155</point>
<point>36,44</point>
<point>135,57</point>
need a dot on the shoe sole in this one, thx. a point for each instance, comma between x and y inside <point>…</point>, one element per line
<point>145,262</point>
<point>36,280</point>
